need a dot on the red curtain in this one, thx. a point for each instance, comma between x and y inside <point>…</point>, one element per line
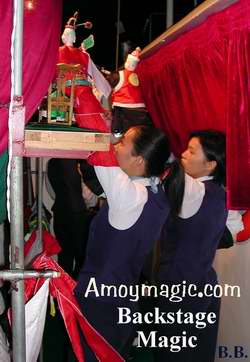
<point>238,118</point>
<point>201,80</point>
<point>41,38</point>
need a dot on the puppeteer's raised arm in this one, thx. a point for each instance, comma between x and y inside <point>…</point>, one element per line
<point>125,196</point>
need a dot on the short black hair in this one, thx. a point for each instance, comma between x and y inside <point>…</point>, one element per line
<point>213,143</point>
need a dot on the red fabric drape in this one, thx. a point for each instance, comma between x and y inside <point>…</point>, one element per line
<point>62,288</point>
<point>238,115</point>
<point>41,37</point>
<point>201,80</point>
<point>6,11</point>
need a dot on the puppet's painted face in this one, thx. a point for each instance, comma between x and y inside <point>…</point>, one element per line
<point>130,163</point>
<point>194,160</point>
<point>69,37</point>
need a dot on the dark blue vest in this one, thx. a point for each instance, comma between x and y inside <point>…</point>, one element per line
<point>188,246</point>
<point>116,257</point>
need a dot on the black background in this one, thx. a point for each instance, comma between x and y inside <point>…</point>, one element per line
<point>143,21</point>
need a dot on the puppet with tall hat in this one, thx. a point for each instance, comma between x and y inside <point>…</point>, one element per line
<point>127,100</point>
<point>88,111</point>
<point>69,34</point>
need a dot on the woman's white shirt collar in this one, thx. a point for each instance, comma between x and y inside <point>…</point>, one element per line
<point>205,178</point>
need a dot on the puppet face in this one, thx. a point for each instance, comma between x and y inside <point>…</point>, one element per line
<point>130,163</point>
<point>194,160</point>
<point>69,37</point>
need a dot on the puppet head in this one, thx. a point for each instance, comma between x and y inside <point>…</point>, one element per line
<point>133,59</point>
<point>69,34</point>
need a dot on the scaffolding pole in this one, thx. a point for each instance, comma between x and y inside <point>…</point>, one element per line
<point>16,204</point>
<point>40,216</point>
<point>40,198</point>
<point>169,13</point>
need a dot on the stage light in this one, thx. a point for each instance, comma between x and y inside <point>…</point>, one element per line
<point>29,5</point>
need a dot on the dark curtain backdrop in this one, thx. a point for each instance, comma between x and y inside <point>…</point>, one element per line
<point>201,80</point>
<point>41,39</point>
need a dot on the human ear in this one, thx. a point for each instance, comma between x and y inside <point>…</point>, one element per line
<point>211,166</point>
<point>140,160</point>
<point>140,165</point>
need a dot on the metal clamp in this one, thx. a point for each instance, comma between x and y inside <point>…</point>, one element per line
<point>19,274</point>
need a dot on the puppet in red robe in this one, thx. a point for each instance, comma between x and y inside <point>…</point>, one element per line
<point>88,111</point>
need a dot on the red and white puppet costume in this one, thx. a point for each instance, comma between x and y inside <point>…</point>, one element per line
<point>127,92</point>
<point>127,101</point>
<point>88,111</point>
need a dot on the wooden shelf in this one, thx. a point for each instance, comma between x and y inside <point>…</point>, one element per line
<point>63,144</point>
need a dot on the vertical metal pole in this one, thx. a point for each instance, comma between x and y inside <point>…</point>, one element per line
<point>40,196</point>
<point>150,27</point>
<point>39,210</point>
<point>16,206</point>
<point>29,180</point>
<point>170,13</point>
<point>2,261</point>
<point>117,34</point>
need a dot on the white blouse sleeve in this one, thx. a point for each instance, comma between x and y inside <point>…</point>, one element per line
<point>234,222</point>
<point>193,196</point>
<point>126,198</point>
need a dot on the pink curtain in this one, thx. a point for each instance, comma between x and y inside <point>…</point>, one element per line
<point>41,38</point>
<point>201,80</point>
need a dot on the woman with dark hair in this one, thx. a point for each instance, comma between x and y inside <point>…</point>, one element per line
<point>212,145</point>
<point>124,231</point>
<point>187,248</point>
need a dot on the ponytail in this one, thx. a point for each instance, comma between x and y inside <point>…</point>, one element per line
<point>174,185</point>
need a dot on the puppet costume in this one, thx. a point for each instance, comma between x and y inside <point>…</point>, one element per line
<point>88,111</point>
<point>127,92</point>
<point>127,101</point>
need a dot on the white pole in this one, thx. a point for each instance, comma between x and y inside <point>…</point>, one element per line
<point>170,13</point>
<point>16,204</point>
<point>2,261</point>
